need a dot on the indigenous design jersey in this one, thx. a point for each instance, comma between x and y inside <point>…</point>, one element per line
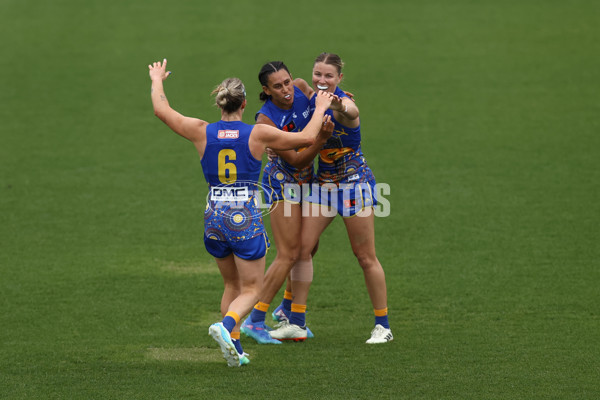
<point>232,173</point>
<point>292,120</point>
<point>341,159</point>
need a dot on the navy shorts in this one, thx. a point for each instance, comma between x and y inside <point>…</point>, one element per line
<point>251,249</point>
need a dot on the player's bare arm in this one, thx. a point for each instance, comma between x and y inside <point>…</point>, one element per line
<point>298,159</point>
<point>277,139</point>
<point>303,157</point>
<point>345,111</point>
<point>193,129</point>
<point>305,87</point>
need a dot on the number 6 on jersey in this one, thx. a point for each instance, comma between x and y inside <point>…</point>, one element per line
<point>227,169</point>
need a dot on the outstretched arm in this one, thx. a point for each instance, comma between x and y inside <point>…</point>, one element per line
<point>305,156</point>
<point>277,139</point>
<point>274,138</point>
<point>192,129</point>
<point>344,108</point>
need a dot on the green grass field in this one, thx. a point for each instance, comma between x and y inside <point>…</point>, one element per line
<point>482,116</point>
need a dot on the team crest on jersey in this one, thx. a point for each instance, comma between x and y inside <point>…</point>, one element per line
<point>289,127</point>
<point>228,134</point>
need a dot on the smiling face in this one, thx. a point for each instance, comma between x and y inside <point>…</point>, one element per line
<point>325,77</point>
<point>280,87</point>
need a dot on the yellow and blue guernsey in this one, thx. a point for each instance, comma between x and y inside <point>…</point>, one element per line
<point>341,159</point>
<point>232,173</point>
<point>278,172</point>
<point>343,166</point>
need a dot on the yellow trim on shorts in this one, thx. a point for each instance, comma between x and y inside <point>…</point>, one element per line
<point>267,247</point>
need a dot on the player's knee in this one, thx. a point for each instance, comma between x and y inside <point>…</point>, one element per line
<point>233,288</point>
<point>307,253</point>
<point>252,289</point>
<point>366,259</point>
<point>289,256</point>
<point>233,284</point>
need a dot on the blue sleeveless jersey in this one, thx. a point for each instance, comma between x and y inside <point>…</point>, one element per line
<point>232,173</point>
<point>341,159</point>
<point>292,120</point>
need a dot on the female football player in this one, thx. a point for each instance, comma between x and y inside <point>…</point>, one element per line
<point>288,108</point>
<point>230,153</point>
<point>347,186</point>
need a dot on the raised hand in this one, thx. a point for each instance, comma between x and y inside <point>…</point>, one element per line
<point>158,70</point>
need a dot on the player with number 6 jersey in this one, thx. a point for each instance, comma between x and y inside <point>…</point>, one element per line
<point>232,213</point>
<point>230,153</point>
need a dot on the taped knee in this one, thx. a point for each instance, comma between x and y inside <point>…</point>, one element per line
<point>302,271</point>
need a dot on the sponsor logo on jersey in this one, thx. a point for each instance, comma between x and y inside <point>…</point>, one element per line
<point>229,193</point>
<point>228,134</point>
<point>306,112</point>
<point>353,177</point>
<point>289,127</point>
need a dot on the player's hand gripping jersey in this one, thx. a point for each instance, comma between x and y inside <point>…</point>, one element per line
<point>341,159</point>
<point>232,173</point>
<point>341,163</point>
<point>277,171</point>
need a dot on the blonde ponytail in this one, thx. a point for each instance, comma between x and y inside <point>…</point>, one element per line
<point>230,94</point>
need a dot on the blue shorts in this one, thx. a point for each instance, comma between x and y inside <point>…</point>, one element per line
<point>251,249</point>
<point>278,191</point>
<point>279,185</point>
<point>347,199</point>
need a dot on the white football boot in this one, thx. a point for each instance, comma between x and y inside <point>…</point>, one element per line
<point>379,334</point>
